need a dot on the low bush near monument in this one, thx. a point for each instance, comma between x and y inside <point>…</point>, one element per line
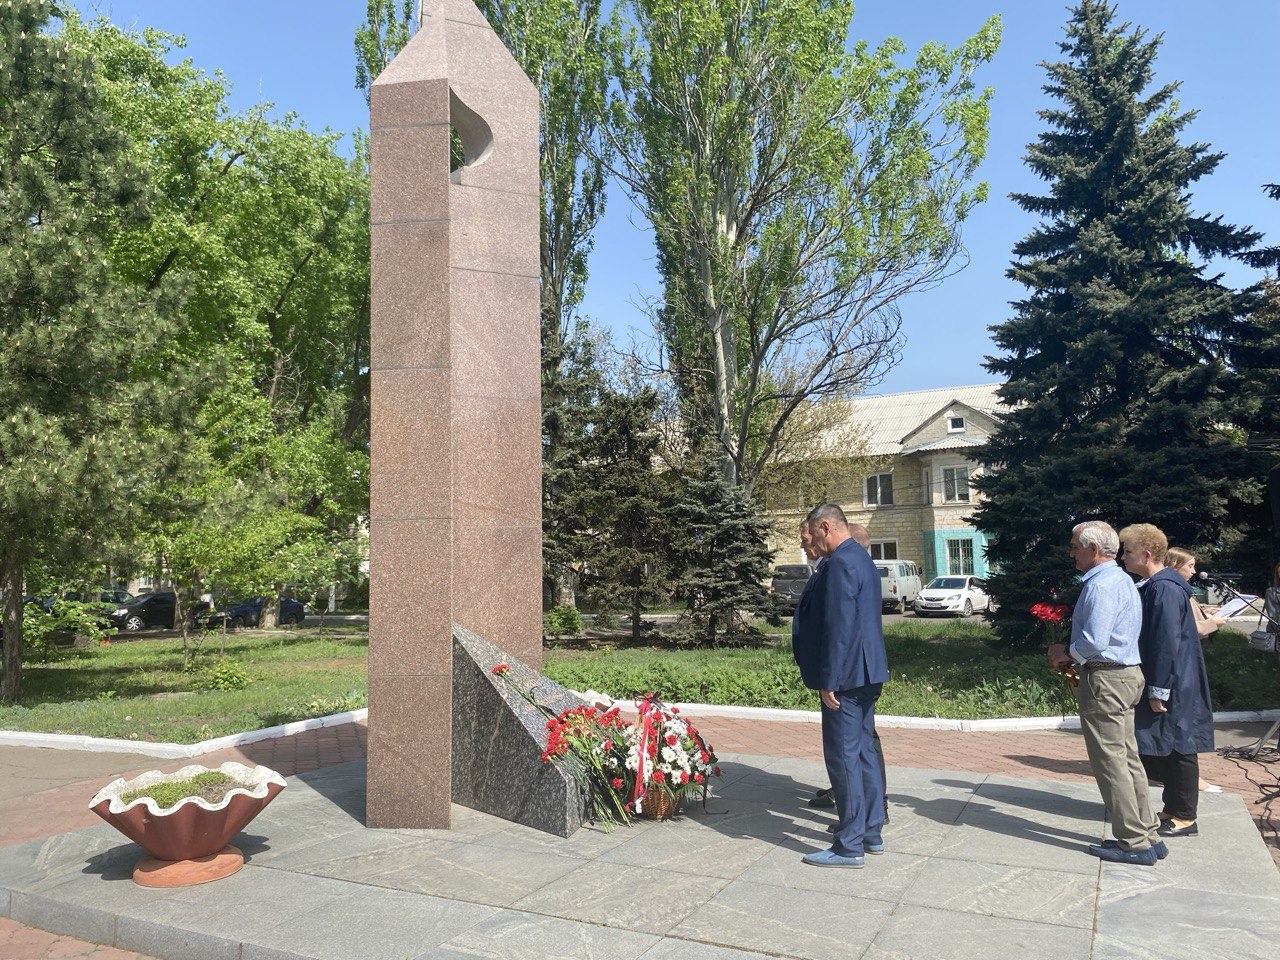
<point>562,621</point>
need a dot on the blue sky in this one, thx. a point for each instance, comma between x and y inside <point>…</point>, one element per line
<point>298,55</point>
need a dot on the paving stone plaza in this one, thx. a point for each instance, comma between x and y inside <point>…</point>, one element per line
<point>982,866</point>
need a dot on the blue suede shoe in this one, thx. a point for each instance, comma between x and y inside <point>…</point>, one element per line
<point>875,849</point>
<point>829,858</point>
<point>1142,858</point>
<point>1160,847</point>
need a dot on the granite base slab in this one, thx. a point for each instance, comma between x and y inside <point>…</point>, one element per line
<point>982,867</point>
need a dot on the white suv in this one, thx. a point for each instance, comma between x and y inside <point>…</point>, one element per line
<point>899,584</point>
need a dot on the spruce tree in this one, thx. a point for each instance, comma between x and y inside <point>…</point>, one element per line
<point>625,505</point>
<point>1118,370</point>
<point>724,556</point>
<point>85,384</point>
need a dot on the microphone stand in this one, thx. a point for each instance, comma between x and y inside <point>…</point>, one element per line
<point>1254,748</point>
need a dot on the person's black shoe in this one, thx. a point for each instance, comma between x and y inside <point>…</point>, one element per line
<point>1161,849</point>
<point>823,800</point>
<point>1142,858</point>
<point>1167,829</point>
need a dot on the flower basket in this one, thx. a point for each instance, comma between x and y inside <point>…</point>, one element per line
<point>659,804</point>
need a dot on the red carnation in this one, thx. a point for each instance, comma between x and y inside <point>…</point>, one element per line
<point>501,670</point>
<point>684,777</point>
<point>659,777</point>
<point>675,709</point>
<point>697,778</point>
<point>716,771</point>
<point>607,746</point>
<point>617,783</point>
<point>672,739</point>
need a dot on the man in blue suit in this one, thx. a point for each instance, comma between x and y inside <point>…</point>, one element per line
<point>839,647</point>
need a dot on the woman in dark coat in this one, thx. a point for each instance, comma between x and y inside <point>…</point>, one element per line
<point>1174,722</point>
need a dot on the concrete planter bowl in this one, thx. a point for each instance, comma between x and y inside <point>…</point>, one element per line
<point>190,841</point>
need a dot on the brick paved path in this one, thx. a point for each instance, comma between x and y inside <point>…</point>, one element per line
<point>1054,755</point>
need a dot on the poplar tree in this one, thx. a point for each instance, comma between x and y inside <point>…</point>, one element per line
<point>87,387</point>
<point>1121,382</point>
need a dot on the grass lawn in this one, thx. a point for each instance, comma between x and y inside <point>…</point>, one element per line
<point>940,668</point>
<point>944,668</point>
<point>137,690</point>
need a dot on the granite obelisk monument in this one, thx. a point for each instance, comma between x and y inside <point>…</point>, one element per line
<point>455,494</point>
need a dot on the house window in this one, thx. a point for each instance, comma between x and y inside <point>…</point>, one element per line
<point>955,424</point>
<point>959,557</point>
<point>926,485</point>
<point>884,549</point>
<point>879,490</point>
<point>955,484</point>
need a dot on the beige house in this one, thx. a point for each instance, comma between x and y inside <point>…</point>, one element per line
<point>916,499</point>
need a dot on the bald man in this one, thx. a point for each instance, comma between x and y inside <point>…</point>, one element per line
<point>823,800</point>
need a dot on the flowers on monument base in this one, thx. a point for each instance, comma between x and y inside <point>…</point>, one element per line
<point>626,769</point>
<point>188,841</point>
<point>667,758</point>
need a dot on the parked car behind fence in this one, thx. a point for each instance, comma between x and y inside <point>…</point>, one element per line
<point>248,613</point>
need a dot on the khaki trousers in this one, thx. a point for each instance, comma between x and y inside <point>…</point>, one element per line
<point>1107,698</point>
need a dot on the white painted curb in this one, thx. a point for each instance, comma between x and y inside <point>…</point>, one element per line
<point>174,751</point>
<point>1004,725</point>
<point>183,751</point>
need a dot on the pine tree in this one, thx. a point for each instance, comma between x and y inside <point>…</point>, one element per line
<point>625,505</point>
<point>725,560</point>
<point>85,384</point>
<point>1123,398</point>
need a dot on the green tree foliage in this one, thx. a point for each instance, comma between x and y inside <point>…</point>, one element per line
<point>723,559</point>
<point>89,383</point>
<point>797,191</point>
<point>1121,385</point>
<point>623,507</point>
<point>268,226</point>
<point>560,45</point>
<point>386,29</point>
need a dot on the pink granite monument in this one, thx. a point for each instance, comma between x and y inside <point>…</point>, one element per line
<point>455,493</point>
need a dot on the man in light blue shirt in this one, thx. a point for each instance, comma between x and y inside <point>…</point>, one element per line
<point>1104,646</point>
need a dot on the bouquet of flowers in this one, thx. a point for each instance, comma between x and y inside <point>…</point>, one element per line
<point>665,752</point>
<point>595,739</point>
<point>1055,622</point>
<point>616,762</point>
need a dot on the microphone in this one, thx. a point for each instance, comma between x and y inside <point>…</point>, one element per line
<point>1203,575</point>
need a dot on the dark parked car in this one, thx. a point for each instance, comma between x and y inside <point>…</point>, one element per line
<point>115,598</point>
<point>146,610</point>
<point>248,613</point>
<point>789,580</point>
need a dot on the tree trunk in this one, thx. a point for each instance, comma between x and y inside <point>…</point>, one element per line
<point>11,581</point>
<point>635,616</point>
<point>270,616</point>
<point>181,602</point>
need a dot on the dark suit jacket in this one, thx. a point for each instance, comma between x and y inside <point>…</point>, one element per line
<point>836,636</point>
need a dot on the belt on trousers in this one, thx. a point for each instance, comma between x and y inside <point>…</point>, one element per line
<point>1105,665</point>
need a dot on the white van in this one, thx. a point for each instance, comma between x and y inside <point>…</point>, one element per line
<point>899,584</point>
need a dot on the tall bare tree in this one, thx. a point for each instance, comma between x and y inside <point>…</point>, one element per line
<point>797,192</point>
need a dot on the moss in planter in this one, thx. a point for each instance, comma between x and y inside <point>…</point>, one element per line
<point>212,785</point>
